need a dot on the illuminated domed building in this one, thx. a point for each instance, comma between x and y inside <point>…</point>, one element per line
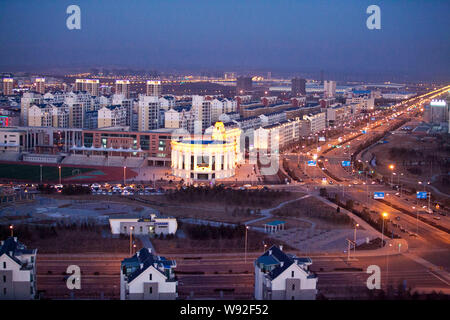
<point>213,156</point>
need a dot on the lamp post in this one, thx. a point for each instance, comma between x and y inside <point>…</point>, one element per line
<point>11,227</point>
<point>40,172</point>
<point>59,169</point>
<point>384,215</point>
<point>391,166</point>
<point>354,239</point>
<point>131,239</point>
<point>246,229</point>
<point>124,175</point>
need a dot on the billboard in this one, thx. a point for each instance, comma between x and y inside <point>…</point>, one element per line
<point>345,163</point>
<point>378,195</point>
<point>421,194</point>
<point>312,163</point>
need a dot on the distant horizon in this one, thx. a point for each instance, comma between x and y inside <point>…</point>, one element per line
<point>284,37</point>
<point>340,76</point>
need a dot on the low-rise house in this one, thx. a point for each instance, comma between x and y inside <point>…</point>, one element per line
<point>146,276</point>
<point>152,225</point>
<point>282,276</point>
<point>17,271</point>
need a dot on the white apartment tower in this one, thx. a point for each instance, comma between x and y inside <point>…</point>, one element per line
<point>329,88</point>
<point>89,85</point>
<point>154,88</point>
<point>123,87</point>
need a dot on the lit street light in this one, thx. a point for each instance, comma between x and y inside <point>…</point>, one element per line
<point>124,175</point>
<point>354,238</point>
<point>11,227</point>
<point>246,229</point>
<point>59,167</point>
<point>384,215</point>
<point>131,239</point>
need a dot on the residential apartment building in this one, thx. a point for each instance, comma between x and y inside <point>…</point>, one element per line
<point>8,85</point>
<point>275,137</point>
<point>17,271</point>
<point>148,113</point>
<point>283,276</point>
<point>39,85</point>
<point>89,85</point>
<point>298,87</point>
<point>154,88</point>
<point>146,276</point>
<point>112,116</point>
<point>317,121</point>
<point>365,100</point>
<point>28,99</point>
<point>123,87</point>
<point>329,88</point>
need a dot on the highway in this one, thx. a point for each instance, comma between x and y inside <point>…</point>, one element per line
<point>424,240</point>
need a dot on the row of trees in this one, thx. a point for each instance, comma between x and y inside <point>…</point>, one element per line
<point>206,232</point>
<point>227,196</point>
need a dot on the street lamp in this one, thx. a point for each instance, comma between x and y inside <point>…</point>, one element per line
<point>384,215</point>
<point>124,174</point>
<point>11,227</point>
<point>392,175</point>
<point>246,229</point>
<point>354,238</point>
<point>59,167</point>
<point>131,239</point>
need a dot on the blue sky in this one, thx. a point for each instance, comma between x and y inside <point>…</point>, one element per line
<point>304,36</point>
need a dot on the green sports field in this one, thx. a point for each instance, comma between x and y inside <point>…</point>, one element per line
<point>33,173</point>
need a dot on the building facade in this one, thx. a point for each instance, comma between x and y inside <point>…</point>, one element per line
<point>146,276</point>
<point>17,271</point>
<point>282,276</point>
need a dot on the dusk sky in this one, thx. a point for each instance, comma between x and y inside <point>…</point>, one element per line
<point>231,35</point>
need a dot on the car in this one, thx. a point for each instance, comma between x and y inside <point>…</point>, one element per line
<point>330,182</point>
<point>437,218</point>
<point>412,234</point>
<point>397,218</point>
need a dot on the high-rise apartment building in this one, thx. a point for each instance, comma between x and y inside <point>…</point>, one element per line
<point>123,87</point>
<point>243,85</point>
<point>89,85</point>
<point>8,84</point>
<point>329,88</point>
<point>148,113</point>
<point>154,88</point>
<point>39,84</point>
<point>298,87</point>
